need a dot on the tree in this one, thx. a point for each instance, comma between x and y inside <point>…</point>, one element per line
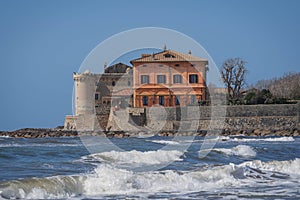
<point>284,87</point>
<point>287,86</point>
<point>233,74</point>
<point>255,96</point>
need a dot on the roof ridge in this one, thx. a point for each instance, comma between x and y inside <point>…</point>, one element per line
<point>176,56</point>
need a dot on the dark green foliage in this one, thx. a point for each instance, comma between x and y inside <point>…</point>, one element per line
<point>264,96</point>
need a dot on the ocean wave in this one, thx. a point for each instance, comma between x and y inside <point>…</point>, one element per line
<point>240,150</point>
<point>109,180</point>
<point>193,140</point>
<point>58,187</point>
<point>38,145</point>
<point>137,157</point>
<point>273,139</point>
<point>165,142</point>
<point>289,166</point>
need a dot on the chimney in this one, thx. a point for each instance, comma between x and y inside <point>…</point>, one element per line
<point>165,47</point>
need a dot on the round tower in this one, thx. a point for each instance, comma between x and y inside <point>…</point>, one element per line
<point>85,87</point>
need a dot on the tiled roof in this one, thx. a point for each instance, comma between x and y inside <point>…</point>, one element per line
<point>117,68</point>
<point>167,56</point>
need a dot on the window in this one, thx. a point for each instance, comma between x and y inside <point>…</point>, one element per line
<point>177,100</point>
<point>144,65</point>
<point>144,79</point>
<point>145,100</point>
<point>161,79</point>
<point>161,100</point>
<point>96,96</point>
<point>193,99</point>
<point>128,83</point>
<point>113,83</point>
<point>177,65</point>
<point>167,55</point>
<point>193,78</point>
<point>177,78</point>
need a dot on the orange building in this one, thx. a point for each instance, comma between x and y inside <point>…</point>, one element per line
<point>169,78</point>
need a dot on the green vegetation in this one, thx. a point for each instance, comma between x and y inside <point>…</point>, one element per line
<point>285,89</point>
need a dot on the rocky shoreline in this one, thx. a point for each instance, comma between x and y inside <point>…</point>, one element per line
<point>56,132</point>
<point>38,133</point>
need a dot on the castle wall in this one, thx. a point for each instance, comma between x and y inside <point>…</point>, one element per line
<point>247,117</point>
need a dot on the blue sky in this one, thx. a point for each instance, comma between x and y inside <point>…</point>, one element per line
<point>43,42</point>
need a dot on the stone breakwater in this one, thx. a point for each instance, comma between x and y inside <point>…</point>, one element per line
<point>38,133</point>
<point>41,133</point>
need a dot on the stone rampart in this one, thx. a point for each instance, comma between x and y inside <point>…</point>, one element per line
<point>242,117</point>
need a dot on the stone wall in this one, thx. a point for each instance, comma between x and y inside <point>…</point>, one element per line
<point>231,118</point>
<point>246,117</point>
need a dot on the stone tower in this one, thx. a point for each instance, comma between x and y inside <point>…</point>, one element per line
<point>85,86</point>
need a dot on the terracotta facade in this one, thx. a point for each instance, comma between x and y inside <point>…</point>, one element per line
<point>176,81</point>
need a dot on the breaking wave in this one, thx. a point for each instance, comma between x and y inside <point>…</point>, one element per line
<point>165,142</point>
<point>240,150</point>
<point>109,180</point>
<point>42,188</point>
<point>275,139</point>
<point>289,166</point>
<point>137,157</point>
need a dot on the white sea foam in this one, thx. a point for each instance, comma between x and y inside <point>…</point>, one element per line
<point>57,187</point>
<point>109,180</point>
<point>223,138</point>
<point>240,150</point>
<point>165,142</point>
<point>289,167</point>
<point>275,139</point>
<point>144,135</point>
<point>138,157</point>
<point>208,139</point>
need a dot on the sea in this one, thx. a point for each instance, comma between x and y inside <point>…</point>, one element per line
<point>152,167</point>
